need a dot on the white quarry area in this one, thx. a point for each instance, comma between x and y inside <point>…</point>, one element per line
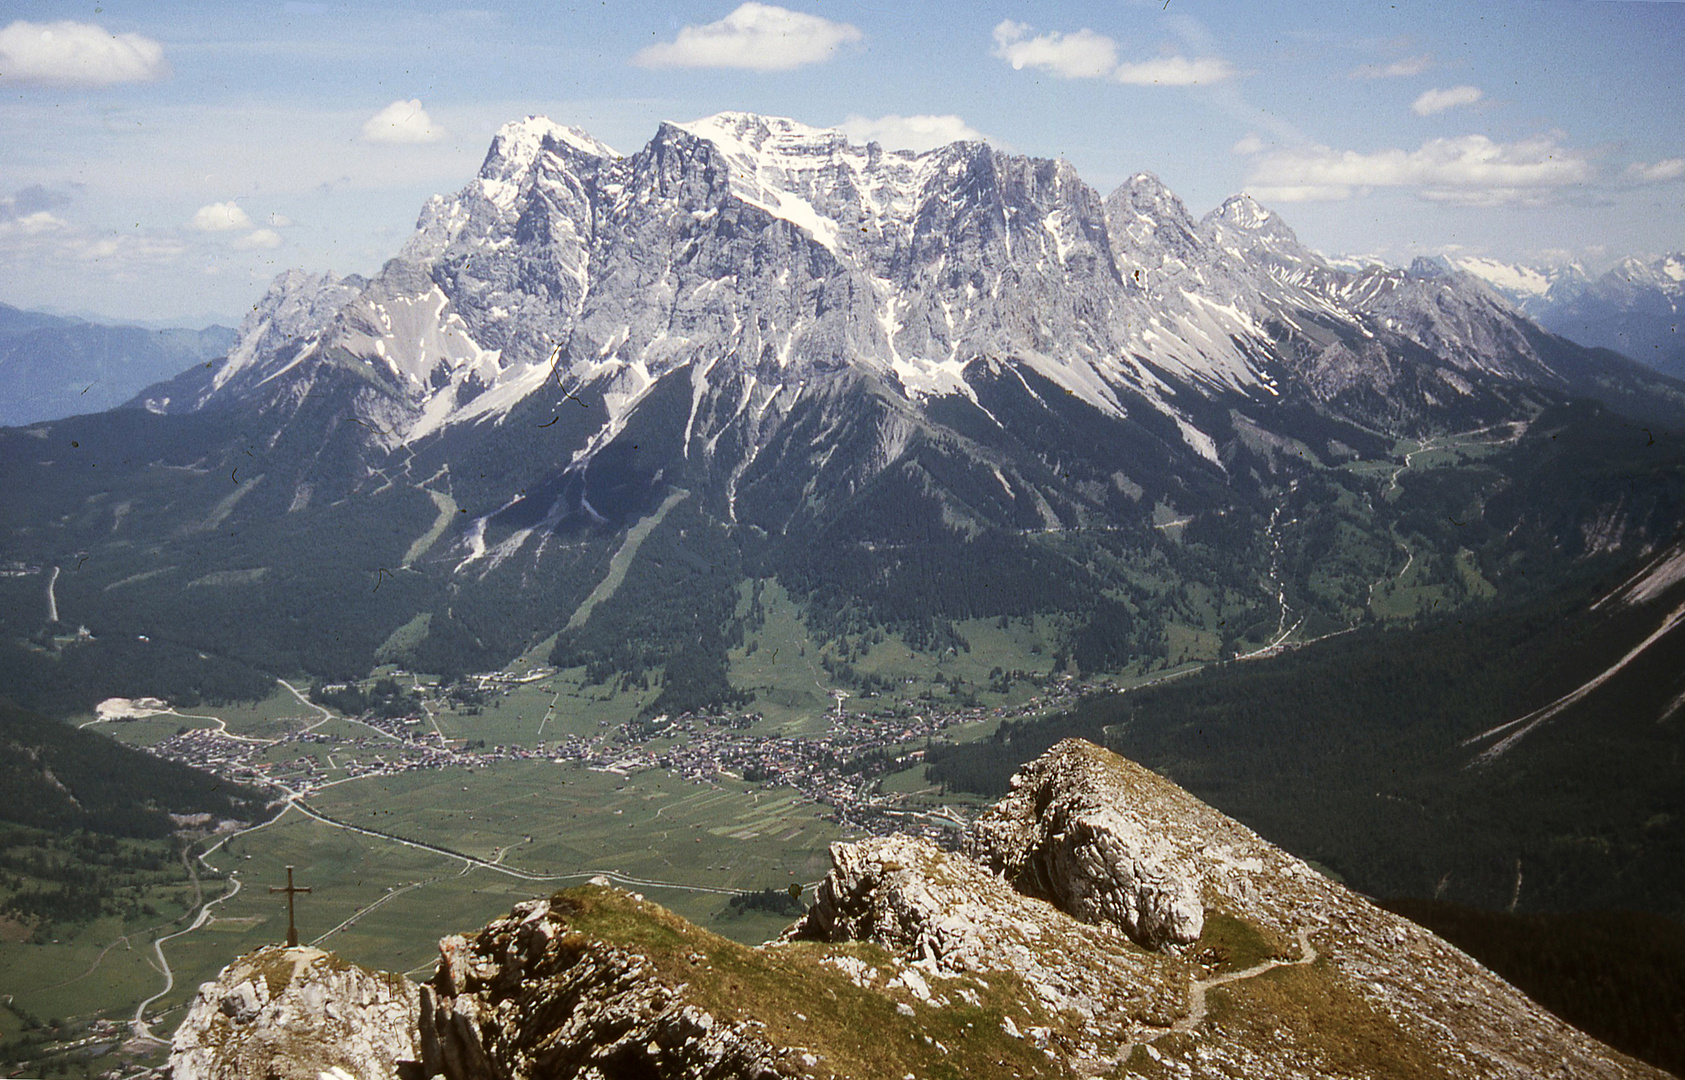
<point>119,708</point>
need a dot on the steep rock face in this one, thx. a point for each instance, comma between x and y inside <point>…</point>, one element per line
<point>296,1014</point>
<point>949,916</point>
<point>1068,834</point>
<point>525,997</point>
<point>857,364</point>
<point>784,252</point>
<point>1350,989</point>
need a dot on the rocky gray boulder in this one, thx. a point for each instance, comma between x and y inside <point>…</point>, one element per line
<point>297,1014</point>
<point>525,997</point>
<point>1068,832</point>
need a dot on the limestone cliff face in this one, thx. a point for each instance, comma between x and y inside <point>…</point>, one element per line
<point>296,1014</point>
<point>1096,857</point>
<point>528,997</point>
<point>1069,833</point>
<point>1102,922</point>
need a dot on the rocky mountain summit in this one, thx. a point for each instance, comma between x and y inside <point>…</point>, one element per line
<point>1102,923</point>
<point>296,1013</point>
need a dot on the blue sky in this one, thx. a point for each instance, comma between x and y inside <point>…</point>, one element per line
<point>163,160</point>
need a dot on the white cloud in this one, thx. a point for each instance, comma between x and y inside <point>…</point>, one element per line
<point>36,224</point>
<point>1082,55</point>
<point>221,217</point>
<point>1471,169</point>
<point>1174,71</point>
<point>259,238</point>
<point>1398,69</point>
<point>402,122</point>
<point>1087,55</point>
<point>77,54</point>
<point>47,244</point>
<point>917,133</point>
<point>1437,101</point>
<point>757,37</point>
<point>1657,172</point>
<point>280,221</point>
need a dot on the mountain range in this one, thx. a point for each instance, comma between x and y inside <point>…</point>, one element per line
<point>595,397</point>
<point>52,366</point>
<point>1632,308</point>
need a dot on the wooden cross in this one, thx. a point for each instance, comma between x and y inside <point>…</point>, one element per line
<point>290,890</point>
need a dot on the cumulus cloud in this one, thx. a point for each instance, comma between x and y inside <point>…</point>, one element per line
<point>1471,169</point>
<point>221,217</point>
<point>402,122</point>
<point>280,221</point>
<point>1398,69</point>
<point>1174,71</point>
<point>1082,55</point>
<point>32,224</point>
<point>1657,172</point>
<point>756,37</point>
<point>69,53</point>
<point>1437,101</point>
<point>41,241</point>
<point>259,238</point>
<point>917,133</point>
<point>1087,55</point>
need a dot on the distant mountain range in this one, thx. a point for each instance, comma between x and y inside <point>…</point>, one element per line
<point>1633,308</point>
<point>598,400</point>
<point>51,367</point>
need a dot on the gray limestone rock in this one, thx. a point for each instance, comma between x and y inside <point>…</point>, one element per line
<point>295,1014</point>
<point>526,998</point>
<point>1068,834</point>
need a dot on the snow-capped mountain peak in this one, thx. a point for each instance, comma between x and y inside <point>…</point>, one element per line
<point>1510,278</point>
<point>1244,212</point>
<point>563,262</point>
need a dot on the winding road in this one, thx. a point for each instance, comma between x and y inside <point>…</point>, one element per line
<point>138,1025</point>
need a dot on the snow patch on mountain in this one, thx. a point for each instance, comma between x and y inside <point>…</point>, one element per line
<point>1508,277</point>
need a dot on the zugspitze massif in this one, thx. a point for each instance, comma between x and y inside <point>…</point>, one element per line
<point>905,390</point>
<point>663,520</point>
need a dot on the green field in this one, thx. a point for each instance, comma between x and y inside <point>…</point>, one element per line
<point>385,904</point>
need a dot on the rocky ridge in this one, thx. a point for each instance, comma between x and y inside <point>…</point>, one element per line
<point>296,1014</point>
<point>915,961</point>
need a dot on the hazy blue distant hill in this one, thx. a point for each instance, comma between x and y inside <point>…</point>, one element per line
<point>52,367</point>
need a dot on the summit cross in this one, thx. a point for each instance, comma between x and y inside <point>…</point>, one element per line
<point>291,890</point>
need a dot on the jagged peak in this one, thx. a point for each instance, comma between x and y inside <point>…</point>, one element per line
<point>1244,212</point>
<point>1144,188</point>
<point>1430,267</point>
<point>518,143</point>
<point>754,130</point>
<point>1146,196</point>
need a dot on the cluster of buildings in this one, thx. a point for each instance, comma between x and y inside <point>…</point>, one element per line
<point>841,769</point>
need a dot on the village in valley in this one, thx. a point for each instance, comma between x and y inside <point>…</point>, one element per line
<point>840,768</point>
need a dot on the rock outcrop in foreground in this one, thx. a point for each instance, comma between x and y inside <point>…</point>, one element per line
<point>1101,922</point>
<point>296,1014</point>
